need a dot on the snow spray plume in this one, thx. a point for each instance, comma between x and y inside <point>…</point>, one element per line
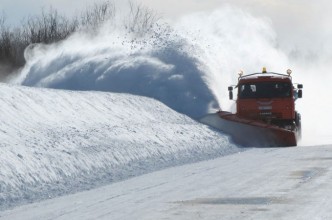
<point>119,58</point>
<point>186,66</point>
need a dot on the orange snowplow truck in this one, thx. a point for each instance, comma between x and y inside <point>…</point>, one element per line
<point>269,98</point>
<point>266,114</point>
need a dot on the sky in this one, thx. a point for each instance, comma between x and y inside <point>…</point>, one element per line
<point>17,9</point>
<point>290,19</point>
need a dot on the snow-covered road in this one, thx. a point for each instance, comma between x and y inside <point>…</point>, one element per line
<point>265,183</point>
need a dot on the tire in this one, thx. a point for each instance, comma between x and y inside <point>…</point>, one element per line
<point>298,124</point>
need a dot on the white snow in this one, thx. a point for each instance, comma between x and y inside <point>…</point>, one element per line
<point>284,183</point>
<point>55,142</point>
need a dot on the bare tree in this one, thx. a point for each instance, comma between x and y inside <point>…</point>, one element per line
<point>141,19</point>
<point>93,18</point>
<point>50,27</point>
<point>5,41</point>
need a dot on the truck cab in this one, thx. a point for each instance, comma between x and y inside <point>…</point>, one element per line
<point>268,97</point>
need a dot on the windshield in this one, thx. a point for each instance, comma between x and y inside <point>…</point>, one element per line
<point>265,90</point>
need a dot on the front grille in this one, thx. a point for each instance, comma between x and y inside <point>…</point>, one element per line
<point>271,115</point>
<point>265,113</point>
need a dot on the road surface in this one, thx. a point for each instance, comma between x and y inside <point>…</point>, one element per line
<point>260,183</point>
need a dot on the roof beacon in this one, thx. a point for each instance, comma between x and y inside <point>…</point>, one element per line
<point>264,70</point>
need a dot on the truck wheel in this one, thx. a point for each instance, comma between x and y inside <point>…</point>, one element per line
<point>298,124</point>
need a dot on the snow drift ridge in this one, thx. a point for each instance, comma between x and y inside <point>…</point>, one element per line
<point>55,142</point>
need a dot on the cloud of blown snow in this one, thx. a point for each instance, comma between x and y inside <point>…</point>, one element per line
<point>185,66</point>
<point>157,65</point>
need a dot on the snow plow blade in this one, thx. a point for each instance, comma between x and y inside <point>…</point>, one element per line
<point>250,133</point>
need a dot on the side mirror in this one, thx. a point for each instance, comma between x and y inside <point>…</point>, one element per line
<point>230,90</point>
<point>231,95</point>
<point>300,86</point>
<point>299,93</point>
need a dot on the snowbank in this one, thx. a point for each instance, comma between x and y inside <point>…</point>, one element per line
<point>55,142</point>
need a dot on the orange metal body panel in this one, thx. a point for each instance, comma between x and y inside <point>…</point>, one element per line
<point>279,108</point>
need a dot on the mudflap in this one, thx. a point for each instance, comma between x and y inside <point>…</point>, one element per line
<point>250,133</point>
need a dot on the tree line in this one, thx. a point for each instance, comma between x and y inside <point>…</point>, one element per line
<point>50,27</point>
